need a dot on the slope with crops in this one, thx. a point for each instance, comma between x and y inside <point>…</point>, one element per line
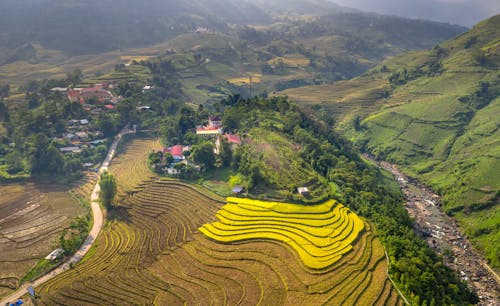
<point>319,234</point>
<point>434,113</point>
<point>33,217</point>
<point>151,252</point>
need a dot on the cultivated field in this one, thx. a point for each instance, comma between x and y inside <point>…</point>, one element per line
<point>151,253</point>
<point>130,166</point>
<point>319,234</point>
<point>31,218</point>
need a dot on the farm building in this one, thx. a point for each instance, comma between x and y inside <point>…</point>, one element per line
<point>237,189</point>
<point>55,254</point>
<point>303,191</point>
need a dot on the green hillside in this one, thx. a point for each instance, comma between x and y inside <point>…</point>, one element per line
<point>435,113</point>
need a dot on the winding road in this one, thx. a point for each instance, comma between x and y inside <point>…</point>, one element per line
<point>98,220</point>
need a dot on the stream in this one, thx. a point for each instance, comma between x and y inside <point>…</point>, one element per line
<point>443,235</point>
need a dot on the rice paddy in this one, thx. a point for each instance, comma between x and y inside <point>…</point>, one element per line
<point>153,251</point>
<point>32,216</point>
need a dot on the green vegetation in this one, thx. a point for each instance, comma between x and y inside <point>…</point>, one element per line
<point>435,113</point>
<point>107,193</point>
<point>42,267</point>
<point>418,271</point>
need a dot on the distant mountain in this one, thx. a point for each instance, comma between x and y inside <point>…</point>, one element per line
<point>89,26</point>
<point>437,114</point>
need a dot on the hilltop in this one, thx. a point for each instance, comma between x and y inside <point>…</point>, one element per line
<point>435,113</point>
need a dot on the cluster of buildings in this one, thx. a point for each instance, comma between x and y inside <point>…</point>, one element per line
<point>83,95</point>
<point>100,91</point>
<point>79,134</point>
<point>213,129</point>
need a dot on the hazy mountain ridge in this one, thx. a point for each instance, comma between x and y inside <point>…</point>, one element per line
<point>91,26</point>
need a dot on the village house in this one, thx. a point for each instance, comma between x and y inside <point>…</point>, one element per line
<point>208,130</point>
<point>82,135</point>
<point>147,88</point>
<point>234,140</point>
<point>214,121</point>
<point>177,152</point>
<point>70,150</point>
<point>70,137</point>
<point>82,95</point>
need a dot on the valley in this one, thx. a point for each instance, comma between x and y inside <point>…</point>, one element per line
<point>264,153</point>
<point>443,234</point>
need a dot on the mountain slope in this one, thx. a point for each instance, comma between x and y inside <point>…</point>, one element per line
<point>89,26</point>
<point>435,113</point>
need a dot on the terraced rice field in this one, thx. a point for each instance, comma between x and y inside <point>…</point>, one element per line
<point>31,218</point>
<point>151,253</point>
<point>130,166</point>
<point>319,234</point>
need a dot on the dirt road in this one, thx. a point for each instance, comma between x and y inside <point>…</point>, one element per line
<point>98,220</point>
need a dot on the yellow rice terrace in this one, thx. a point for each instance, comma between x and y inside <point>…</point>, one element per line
<point>319,234</point>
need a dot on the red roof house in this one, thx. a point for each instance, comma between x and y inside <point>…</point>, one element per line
<point>231,138</point>
<point>83,94</point>
<point>177,152</point>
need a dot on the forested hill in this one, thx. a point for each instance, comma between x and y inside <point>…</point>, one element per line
<point>86,26</point>
<point>92,26</point>
<point>437,114</point>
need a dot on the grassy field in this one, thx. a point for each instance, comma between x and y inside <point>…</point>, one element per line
<point>281,164</point>
<point>32,215</point>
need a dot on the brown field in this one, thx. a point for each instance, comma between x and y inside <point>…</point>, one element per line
<point>31,217</point>
<point>130,166</point>
<point>151,253</point>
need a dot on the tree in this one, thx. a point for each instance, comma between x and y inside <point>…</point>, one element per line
<point>4,91</point>
<point>3,112</point>
<point>203,154</point>
<point>108,189</point>
<point>74,76</point>
<point>226,155</point>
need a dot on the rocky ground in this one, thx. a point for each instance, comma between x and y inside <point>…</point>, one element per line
<point>444,236</point>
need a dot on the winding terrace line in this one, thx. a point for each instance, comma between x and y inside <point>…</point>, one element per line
<point>98,220</point>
